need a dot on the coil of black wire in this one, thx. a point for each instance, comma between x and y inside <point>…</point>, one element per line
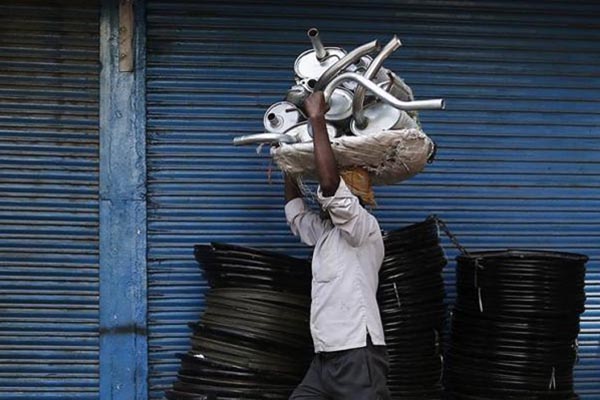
<point>411,303</point>
<point>253,339</point>
<point>515,325</point>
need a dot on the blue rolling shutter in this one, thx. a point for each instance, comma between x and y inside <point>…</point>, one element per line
<point>48,200</point>
<point>517,165</point>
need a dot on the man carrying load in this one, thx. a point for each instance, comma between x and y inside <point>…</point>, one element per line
<point>351,358</point>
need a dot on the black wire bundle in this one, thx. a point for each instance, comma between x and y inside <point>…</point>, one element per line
<point>411,302</point>
<point>253,340</point>
<point>515,325</point>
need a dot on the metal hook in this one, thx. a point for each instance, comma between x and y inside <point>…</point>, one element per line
<point>442,225</point>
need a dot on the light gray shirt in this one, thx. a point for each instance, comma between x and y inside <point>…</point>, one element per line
<point>348,251</point>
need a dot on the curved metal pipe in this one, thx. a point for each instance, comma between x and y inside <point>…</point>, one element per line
<point>345,61</point>
<point>434,104</point>
<point>359,95</point>
<point>267,137</point>
<point>315,39</point>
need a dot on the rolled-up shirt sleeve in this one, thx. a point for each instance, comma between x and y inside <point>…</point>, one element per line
<point>348,215</point>
<point>304,222</point>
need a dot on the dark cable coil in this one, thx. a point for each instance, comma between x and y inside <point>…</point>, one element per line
<point>515,325</point>
<point>253,340</point>
<point>411,302</point>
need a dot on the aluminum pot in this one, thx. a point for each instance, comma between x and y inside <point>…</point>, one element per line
<point>282,116</point>
<point>312,63</point>
<point>340,107</point>
<point>303,132</point>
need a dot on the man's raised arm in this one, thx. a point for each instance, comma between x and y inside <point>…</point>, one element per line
<point>327,172</point>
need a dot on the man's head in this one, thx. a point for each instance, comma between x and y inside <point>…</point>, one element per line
<point>358,181</point>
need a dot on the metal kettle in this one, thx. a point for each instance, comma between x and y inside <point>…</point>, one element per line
<point>282,116</point>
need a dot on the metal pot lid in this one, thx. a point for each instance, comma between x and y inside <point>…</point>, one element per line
<point>307,66</point>
<point>340,105</point>
<point>282,116</point>
<point>381,117</point>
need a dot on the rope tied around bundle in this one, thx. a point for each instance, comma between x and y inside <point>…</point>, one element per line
<point>463,250</point>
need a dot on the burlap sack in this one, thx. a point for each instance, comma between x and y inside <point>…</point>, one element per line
<point>389,156</point>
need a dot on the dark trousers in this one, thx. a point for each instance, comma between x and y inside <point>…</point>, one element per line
<point>346,375</point>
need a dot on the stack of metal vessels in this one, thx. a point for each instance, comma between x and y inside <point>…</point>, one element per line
<point>366,101</point>
<point>350,81</point>
<point>515,325</point>
<point>411,302</point>
<point>253,340</point>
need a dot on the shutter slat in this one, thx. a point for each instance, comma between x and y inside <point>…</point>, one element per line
<point>49,200</point>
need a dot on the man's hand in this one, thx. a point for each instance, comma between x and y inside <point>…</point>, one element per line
<point>315,105</point>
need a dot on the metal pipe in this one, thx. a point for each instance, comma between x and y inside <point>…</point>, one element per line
<point>274,120</point>
<point>433,104</point>
<point>350,58</point>
<point>315,39</point>
<point>267,137</point>
<point>359,95</point>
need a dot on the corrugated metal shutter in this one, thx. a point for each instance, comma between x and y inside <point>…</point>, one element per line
<point>518,158</point>
<point>48,200</point>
